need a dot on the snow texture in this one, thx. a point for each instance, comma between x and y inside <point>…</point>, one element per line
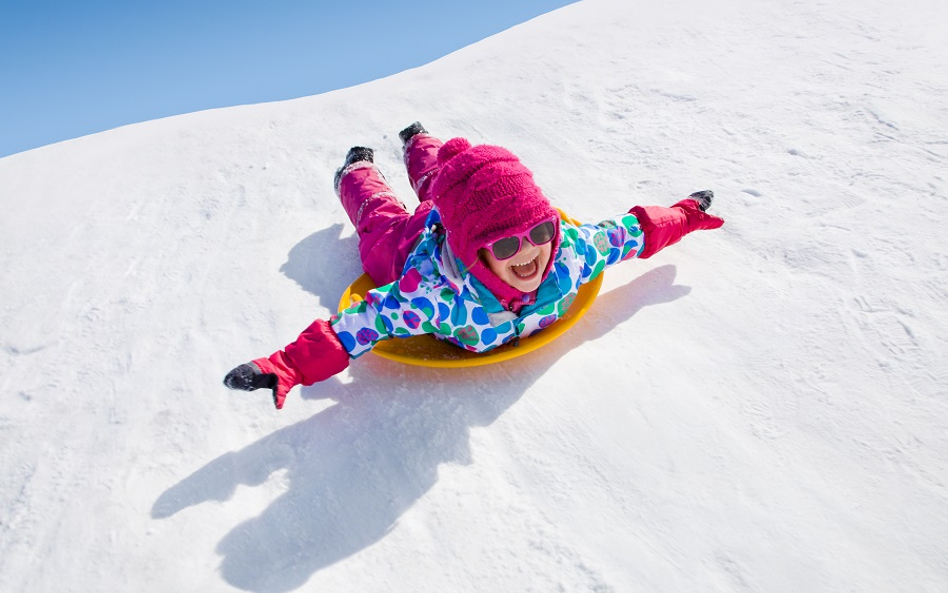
<point>759,408</point>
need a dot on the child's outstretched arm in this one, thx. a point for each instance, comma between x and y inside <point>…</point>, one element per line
<point>642,232</point>
<point>316,355</point>
<point>406,307</point>
<point>666,226</point>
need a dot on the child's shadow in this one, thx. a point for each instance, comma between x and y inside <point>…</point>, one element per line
<point>353,469</point>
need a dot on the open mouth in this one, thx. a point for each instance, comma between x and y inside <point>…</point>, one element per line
<point>526,271</point>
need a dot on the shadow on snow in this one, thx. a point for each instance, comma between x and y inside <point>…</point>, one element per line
<point>353,469</point>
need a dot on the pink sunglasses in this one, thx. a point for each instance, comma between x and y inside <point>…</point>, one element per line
<point>508,247</point>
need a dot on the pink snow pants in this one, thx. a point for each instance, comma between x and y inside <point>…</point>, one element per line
<point>387,231</point>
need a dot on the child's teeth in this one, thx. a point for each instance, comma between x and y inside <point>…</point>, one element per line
<point>524,269</point>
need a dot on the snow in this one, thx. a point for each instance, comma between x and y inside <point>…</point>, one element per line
<point>759,408</point>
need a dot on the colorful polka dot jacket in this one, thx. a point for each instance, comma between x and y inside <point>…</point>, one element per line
<point>436,296</point>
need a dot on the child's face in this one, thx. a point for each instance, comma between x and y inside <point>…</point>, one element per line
<point>523,271</point>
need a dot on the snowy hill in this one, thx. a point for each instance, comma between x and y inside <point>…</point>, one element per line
<point>760,408</point>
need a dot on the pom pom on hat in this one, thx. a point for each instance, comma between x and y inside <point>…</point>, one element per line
<point>451,149</point>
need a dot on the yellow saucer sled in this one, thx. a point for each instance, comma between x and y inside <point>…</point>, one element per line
<point>428,351</point>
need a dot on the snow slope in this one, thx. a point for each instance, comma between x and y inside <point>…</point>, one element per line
<point>760,408</point>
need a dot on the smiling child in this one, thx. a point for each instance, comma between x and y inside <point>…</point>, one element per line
<point>483,260</point>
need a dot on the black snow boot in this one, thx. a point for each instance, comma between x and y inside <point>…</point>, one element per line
<point>356,154</point>
<point>704,198</point>
<point>410,132</point>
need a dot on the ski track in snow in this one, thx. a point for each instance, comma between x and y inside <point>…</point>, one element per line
<point>760,408</point>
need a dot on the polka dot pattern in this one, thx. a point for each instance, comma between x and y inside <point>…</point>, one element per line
<point>428,299</point>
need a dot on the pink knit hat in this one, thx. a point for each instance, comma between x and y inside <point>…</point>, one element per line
<point>484,193</point>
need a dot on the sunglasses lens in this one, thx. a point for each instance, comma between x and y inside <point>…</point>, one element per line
<point>506,248</point>
<point>542,233</point>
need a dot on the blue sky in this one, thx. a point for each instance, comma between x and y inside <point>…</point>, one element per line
<point>71,68</point>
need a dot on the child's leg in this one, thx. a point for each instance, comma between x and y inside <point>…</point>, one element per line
<point>387,232</point>
<point>421,160</point>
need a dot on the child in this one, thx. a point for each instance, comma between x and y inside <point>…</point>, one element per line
<point>483,260</point>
